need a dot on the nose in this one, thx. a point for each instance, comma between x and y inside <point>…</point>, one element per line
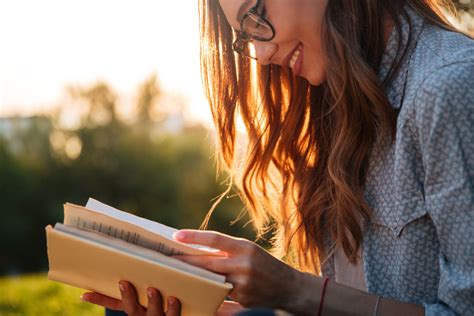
<point>264,51</point>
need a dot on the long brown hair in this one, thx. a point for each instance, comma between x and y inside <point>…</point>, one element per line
<point>308,147</point>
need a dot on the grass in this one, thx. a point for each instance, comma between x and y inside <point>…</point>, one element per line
<point>35,295</point>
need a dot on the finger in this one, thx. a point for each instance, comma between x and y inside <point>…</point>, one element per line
<point>155,303</point>
<point>211,239</point>
<point>102,300</point>
<point>174,307</point>
<point>234,293</point>
<point>222,265</point>
<point>129,299</point>
<point>229,308</point>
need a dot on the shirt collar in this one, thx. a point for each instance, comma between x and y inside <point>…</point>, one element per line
<point>413,23</point>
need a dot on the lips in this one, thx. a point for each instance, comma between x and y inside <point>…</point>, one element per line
<point>296,63</point>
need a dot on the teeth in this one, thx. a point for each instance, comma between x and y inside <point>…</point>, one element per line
<point>295,56</point>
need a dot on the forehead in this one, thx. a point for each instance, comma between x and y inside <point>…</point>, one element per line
<point>234,9</point>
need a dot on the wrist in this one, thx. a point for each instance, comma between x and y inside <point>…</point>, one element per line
<point>304,294</point>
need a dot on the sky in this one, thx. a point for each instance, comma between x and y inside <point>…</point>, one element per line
<point>49,44</point>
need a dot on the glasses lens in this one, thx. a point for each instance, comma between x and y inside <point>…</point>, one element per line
<point>257,27</point>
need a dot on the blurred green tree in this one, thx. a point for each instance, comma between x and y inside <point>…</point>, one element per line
<point>148,95</point>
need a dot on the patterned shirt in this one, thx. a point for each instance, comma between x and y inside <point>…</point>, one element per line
<point>419,245</point>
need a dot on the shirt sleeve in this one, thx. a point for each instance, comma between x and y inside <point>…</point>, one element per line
<point>445,130</point>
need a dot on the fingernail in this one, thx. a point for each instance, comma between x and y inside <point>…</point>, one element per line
<point>121,287</point>
<point>171,300</point>
<point>150,293</point>
<point>177,235</point>
<point>83,297</point>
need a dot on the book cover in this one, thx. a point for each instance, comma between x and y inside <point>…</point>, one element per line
<point>96,252</point>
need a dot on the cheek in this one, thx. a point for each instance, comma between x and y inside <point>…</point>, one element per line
<point>285,34</point>
<point>286,26</point>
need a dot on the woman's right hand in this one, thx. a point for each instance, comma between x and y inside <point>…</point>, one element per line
<point>258,278</point>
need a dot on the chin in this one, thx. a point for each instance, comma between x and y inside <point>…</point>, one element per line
<point>316,82</point>
<point>316,79</point>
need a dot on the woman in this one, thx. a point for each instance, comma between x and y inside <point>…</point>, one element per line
<point>360,154</point>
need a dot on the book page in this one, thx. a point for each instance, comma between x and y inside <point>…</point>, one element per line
<point>158,228</point>
<point>127,228</point>
<point>147,224</point>
<point>140,252</point>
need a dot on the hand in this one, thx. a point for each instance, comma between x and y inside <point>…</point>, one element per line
<point>259,279</point>
<point>129,303</point>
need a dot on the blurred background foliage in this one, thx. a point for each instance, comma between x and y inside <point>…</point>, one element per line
<point>33,295</point>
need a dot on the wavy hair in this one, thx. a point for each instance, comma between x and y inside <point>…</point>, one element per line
<point>308,147</point>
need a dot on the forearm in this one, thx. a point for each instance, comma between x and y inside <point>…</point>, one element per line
<point>340,299</point>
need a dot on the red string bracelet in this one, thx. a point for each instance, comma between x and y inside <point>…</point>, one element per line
<point>322,296</point>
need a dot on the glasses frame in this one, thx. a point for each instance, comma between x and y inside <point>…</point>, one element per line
<point>243,38</point>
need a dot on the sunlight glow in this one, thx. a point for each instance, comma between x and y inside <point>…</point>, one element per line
<point>73,147</point>
<point>47,45</point>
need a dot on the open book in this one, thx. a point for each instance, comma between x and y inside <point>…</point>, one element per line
<point>97,246</point>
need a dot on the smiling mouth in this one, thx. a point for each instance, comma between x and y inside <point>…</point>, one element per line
<point>291,59</point>
<point>295,56</point>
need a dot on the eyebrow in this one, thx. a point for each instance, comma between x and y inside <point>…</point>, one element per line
<point>242,10</point>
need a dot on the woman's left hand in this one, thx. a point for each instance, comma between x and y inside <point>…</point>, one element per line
<point>259,279</point>
<point>129,303</point>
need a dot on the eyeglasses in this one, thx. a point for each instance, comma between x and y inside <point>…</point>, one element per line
<point>253,26</point>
